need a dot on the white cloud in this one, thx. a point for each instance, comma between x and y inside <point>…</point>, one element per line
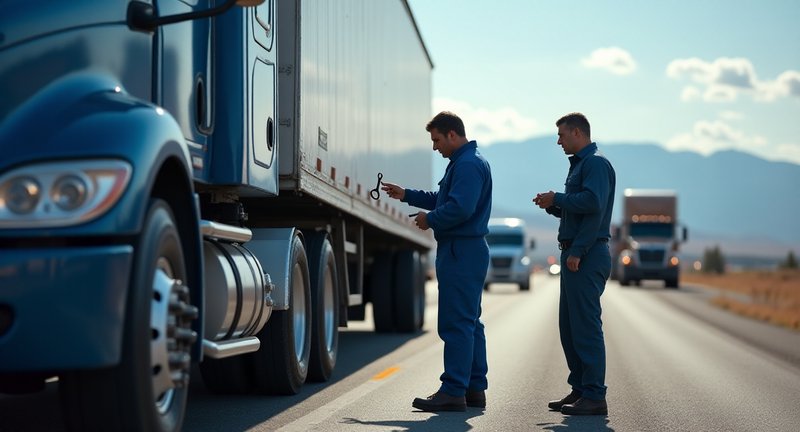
<point>708,137</point>
<point>719,93</point>
<point>790,152</point>
<point>725,78</point>
<point>790,82</point>
<point>731,115</point>
<point>690,93</point>
<point>490,126</point>
<point>613,59</point>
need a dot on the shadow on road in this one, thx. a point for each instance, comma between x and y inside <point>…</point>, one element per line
<point>209,412</point>
<point>451,422</point>
<point>579,423</point>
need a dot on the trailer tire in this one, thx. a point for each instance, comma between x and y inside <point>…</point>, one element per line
<point>281,364</point>
<point>324,307</point>
<point>409,292</point>
<point>381,292</point>
<point>149,388</point>
<point>230,375</point>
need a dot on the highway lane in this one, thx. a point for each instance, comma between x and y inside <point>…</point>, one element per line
<point>674,363</point>
<point>667,370</point>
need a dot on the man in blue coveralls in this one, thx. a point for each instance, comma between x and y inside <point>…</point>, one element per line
<point>583,233</point>
<point>459,219</point>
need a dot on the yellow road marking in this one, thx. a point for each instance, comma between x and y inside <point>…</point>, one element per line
<point>386,373</point>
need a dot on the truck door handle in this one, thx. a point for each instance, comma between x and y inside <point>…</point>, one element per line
<point>270,134</point>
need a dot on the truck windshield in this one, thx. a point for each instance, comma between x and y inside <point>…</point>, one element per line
<point>648,229</point>
<point>504,239</point>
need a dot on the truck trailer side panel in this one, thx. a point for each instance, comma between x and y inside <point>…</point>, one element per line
<point>355,90</point>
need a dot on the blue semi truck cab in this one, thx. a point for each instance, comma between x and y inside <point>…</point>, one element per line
<point>179,185</point>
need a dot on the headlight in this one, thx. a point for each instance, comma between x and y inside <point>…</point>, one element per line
<point>674,261</point>
<point>22,195</point>
<point>626,260</point>
<point>61,193</point>
<point>69,192</point>
<point>525,261</point>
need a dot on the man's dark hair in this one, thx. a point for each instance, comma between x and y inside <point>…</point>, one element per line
<point>576,120</point>
<point>444,122</point>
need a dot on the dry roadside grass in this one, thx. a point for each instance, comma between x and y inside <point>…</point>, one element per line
<point>772,296</point>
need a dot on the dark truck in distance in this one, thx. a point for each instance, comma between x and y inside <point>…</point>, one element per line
<point>646,244</point>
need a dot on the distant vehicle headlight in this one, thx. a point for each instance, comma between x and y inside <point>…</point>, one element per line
<point>626,260</point>
<point>525,261</point>
<point>674,261</point>
<point>60,194</point>
<point>554,269</point>
<point>20,195</point>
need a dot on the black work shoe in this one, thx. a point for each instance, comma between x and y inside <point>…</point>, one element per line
<point>584,406</point>
<point>476,398</point>
<point>440,402</point>
<point>568,399</point>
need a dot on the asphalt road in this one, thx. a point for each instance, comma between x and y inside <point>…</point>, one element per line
<point>674,363</point>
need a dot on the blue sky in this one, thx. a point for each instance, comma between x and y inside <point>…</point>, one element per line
<point>702,75</point>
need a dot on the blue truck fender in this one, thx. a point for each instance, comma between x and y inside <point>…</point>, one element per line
<point>88,116</point>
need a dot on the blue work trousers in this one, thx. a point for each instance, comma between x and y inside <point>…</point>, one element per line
<point>461,266</point>
<point>579,320</point>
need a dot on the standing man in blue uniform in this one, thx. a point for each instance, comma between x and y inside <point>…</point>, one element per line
<point>583,233</point>
<point>459,219</point>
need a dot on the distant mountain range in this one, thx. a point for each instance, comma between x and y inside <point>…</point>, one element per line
<point>746,205</point>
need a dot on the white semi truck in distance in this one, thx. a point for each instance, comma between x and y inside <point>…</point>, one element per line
<point>645,245</point>
<point>510,246</point>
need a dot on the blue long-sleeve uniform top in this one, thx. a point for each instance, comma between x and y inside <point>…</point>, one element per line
<point>463,203</point>
<point>586,204</point>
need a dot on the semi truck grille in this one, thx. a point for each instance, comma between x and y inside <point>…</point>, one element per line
<point>651,256</point>
<point>501,262</point>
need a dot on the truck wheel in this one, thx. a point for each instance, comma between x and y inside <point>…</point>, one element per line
<point>281,365</point>
<point>525,286</point>
<point>227,375</point>
<point>409,292</point>
<point>381,292</point>
<point>324,307</point>
<point>671,283</point>
<point>148,389</point>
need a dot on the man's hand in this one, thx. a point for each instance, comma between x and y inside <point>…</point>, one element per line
<point>573,263</point>
<point>544,199</point>
<point>421,220</point>
<point>393,190</point>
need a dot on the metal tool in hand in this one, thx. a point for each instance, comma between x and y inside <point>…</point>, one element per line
<point>376,193</point>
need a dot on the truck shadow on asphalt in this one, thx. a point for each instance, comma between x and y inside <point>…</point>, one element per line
<point>210,412</point>
<point>358,348</point>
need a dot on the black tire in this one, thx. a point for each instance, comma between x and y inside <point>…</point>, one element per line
<point>324,307</point>
<point>525,286</point>
<point>281,365</point>
<point>486,287</point>
<point>671,283</point>
<point>381,292</point>
<point>232,375</point>
<point>149,388</point>
<point>409,292</point>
